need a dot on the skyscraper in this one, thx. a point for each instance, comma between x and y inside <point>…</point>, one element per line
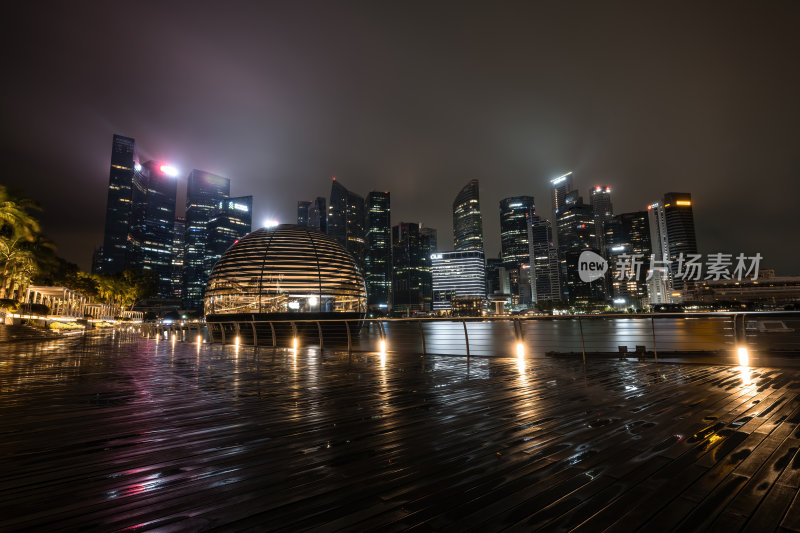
<point>628,234</point>
<point>600,199</point>
<point>497,281</point>
<point>429,244</point>
<point>672,234</point>
<point>576,234</point>
<point>515,215</point>
<point>152,231</point>
<point>562,186</point>
<point>303,208</point>
<point>409,277</point>
<point>457,275</point>
<point>318,215</point>
<point>680,230</point>
<point>467,221</point>
<point>178,252</point>
<point>346,218</point>
<point>378,260</point>
<point>601,202</point>
<point>232,220</point>
<point>546,285</point>
<point>203,194</point>
<point>118,206</point>
<point>430,241</point>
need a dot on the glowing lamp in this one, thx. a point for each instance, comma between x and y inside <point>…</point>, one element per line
<point>743,355</point>
<point>271,223</point>
<point>520,350</point>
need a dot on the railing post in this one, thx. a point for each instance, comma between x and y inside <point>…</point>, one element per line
<point>274,339</point>
<point>422,336</point>
<point>653,327</point>
<point>583,344</point>
<point>222,331</point>
<point>210,332</point>
<point>466,335</point>
<point>739,329</point>
<point>349,339</point>
<point>319,330</point>
<point>255,335</point>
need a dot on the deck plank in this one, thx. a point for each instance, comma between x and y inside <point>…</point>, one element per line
<point>104,433</point>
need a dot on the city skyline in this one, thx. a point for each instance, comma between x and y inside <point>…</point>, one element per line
<point>411,114</point>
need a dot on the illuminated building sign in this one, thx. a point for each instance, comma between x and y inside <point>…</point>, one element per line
<point>560,178</point>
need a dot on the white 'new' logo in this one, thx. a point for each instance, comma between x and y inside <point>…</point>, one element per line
<point>591,266</point>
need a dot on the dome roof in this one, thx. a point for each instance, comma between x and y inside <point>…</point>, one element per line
<point>285,269</point>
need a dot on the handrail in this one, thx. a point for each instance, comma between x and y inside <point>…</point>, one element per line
<point>596,333</point>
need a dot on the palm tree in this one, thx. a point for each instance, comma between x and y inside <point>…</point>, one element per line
<point>17,267</point>
<point>16,220</point>
<point>19,241</point>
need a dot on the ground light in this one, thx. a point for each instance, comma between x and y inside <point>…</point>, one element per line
<point>236,341</point>
<point>295,343</point>
<point>382,346</point>
<point>520,349</point>
<point>744,356</point>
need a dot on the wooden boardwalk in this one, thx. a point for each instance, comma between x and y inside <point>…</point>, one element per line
<point>106,434</point>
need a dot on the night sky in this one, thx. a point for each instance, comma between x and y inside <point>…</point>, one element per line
<point>417,99</point>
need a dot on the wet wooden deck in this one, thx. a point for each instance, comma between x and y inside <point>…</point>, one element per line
<point>109,434</point>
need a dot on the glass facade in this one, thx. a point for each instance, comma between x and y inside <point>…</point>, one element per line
<point>467,221</point>
<point>515,215</point>
<point>680,230</point>
<point>303,208</point>
<point>628,234</point>
<point>410,279</point>
<point>457,275</point>
<point>177,257</point>
<point>545,285</point>
<point>600,198</point>
<point>346,219</point>
<point>318,215</point>
<point>232,220</point>
<point>118,207</point>
<point>562,186</point>
<point>285,269</point>
<point>378,261</point>
<point>151,234</point>
<point>577,232</point>
<point>203,194</point>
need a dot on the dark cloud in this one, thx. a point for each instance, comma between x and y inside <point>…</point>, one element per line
<point>415,98</point>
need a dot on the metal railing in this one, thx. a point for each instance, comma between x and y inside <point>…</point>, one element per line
<point>644,335</point>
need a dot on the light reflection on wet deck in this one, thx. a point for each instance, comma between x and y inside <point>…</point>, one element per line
<point>102,433</point>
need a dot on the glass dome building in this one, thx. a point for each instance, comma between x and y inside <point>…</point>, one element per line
<point>285,272</point>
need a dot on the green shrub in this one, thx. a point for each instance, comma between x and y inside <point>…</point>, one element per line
<point>64,326</point>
